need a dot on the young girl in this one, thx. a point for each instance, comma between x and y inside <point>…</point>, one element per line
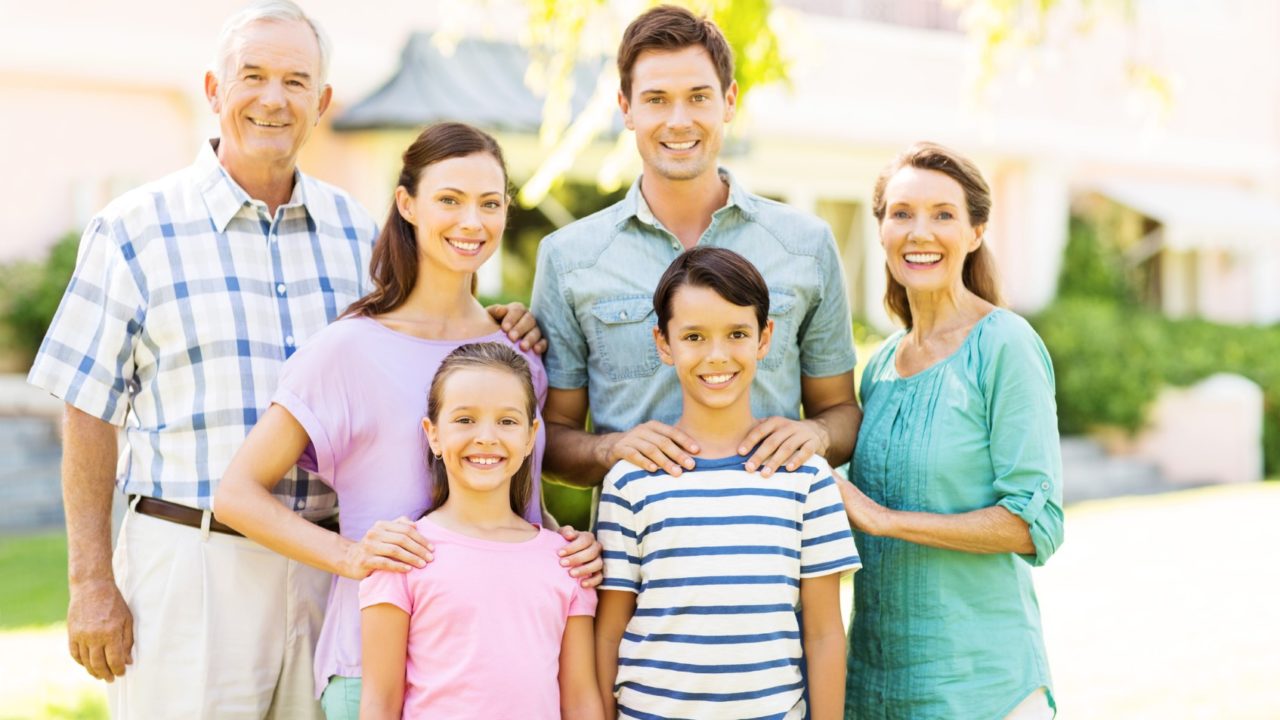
<point>349,404</point>
<point>486,629</point>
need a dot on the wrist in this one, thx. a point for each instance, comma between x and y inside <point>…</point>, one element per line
<point>604,450</point>
<point>822,434</point>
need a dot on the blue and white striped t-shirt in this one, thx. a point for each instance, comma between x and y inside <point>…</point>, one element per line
<point>715,557</point>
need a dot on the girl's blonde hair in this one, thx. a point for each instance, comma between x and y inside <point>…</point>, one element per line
<point>487,356</point>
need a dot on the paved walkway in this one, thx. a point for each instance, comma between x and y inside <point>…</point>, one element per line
<point>1167,606</point>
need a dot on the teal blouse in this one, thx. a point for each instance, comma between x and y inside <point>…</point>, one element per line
<point>941,633</point>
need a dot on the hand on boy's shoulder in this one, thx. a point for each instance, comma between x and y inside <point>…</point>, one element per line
<point>652,446</point>
<point>783,443</point>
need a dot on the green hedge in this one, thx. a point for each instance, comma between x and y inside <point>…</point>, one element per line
<point>1111,359</point>
<point>30,293</point>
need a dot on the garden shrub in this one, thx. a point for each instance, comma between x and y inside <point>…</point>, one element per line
<point>30,293</point>
<point>1111,360</point>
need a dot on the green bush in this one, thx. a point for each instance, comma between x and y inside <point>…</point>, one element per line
<point>1111,359</point>
<point>30,293</point>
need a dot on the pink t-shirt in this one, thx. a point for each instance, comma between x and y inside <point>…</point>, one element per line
<point>485,623</point>
<point>359,389</point>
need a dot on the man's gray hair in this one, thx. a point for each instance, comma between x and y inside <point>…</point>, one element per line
<point>277,10</point>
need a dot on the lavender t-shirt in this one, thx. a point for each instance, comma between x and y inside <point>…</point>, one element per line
<point>359,389</point>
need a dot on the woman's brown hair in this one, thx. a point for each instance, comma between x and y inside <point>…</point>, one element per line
<point>482,356</point>
<point>979,274</point>
<point>394,265</point>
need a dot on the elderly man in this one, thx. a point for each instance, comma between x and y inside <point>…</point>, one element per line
<point>188,295</point>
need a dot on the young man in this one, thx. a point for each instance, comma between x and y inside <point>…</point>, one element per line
<point>703,573</point>
<point>595,278</point>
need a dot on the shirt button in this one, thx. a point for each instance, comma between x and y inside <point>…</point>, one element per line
<point>289,341</point>
<point>298,505</point>
<point>623,315</point>
<point>280,289</point>
<point>1044,486</point>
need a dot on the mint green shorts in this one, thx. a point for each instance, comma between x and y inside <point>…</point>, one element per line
<point>341,698</point>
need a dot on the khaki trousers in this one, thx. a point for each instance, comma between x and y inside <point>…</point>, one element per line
<point>223,627</point>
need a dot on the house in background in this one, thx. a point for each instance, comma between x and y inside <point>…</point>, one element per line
<point>84,119</point>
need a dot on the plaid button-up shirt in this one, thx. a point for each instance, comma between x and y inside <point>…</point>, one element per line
<point>187,298</point>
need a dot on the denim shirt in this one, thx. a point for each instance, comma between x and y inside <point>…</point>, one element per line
<point>593,297</point>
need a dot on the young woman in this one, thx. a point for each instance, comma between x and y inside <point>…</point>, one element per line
<point>349,403</point>
<point>493,628</point>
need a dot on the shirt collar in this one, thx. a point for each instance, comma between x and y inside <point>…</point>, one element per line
<point>224,197</point>
<point>739,198</point>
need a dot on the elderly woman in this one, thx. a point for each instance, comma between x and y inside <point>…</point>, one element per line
<point>956,482</point>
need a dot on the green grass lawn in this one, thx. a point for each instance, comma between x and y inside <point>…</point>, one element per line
<point>35,590</point>
<point>40,680</point>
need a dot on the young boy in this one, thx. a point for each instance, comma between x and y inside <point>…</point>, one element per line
<point>704,572</point>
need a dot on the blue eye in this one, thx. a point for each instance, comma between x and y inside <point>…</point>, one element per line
<point>945,215</point>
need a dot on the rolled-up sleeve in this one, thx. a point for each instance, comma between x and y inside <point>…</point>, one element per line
<point>826,337</point>
<point>566,358</point>
<point>1023,423</point>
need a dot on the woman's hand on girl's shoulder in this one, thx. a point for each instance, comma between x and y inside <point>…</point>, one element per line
<point>394,545</point>
<point>582,556</point>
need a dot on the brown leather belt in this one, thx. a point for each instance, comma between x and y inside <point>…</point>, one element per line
<point>191,517</point>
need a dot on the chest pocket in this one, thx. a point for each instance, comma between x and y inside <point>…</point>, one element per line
<point>623,330</point>
<point>782,310</point>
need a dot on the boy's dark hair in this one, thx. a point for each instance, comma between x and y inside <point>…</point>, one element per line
<point>666,28</point>
<point>732,276</point>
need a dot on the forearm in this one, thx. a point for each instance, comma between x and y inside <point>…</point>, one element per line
<point>576,457</point>
<point>607,671</point>
<point>987,531</point>
<point>248,507</point>
<point>88,487</point>
<point>378,709</point>
<point>838,426</point>
<point>825,662</point>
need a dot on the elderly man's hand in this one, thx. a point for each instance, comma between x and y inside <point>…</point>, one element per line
<point>520,325</point>
<point>582,556</point>
<point>100,628</point>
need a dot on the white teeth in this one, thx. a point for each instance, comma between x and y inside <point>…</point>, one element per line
<point>681,145</point>
<point>717,379</point>
<point>485,461</point>
<point>464,245</point>
<point>923,258</point>
<point>264,123</point>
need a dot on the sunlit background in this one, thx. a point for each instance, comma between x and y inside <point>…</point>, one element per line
<point>1133,147</point>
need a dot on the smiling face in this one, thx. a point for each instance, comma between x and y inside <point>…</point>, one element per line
<point>713,345</point>
<point>926,233</point>
<point>678,111</point>
<point>459,210</point>
<point>483,430</point>
<point>268,96</point>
